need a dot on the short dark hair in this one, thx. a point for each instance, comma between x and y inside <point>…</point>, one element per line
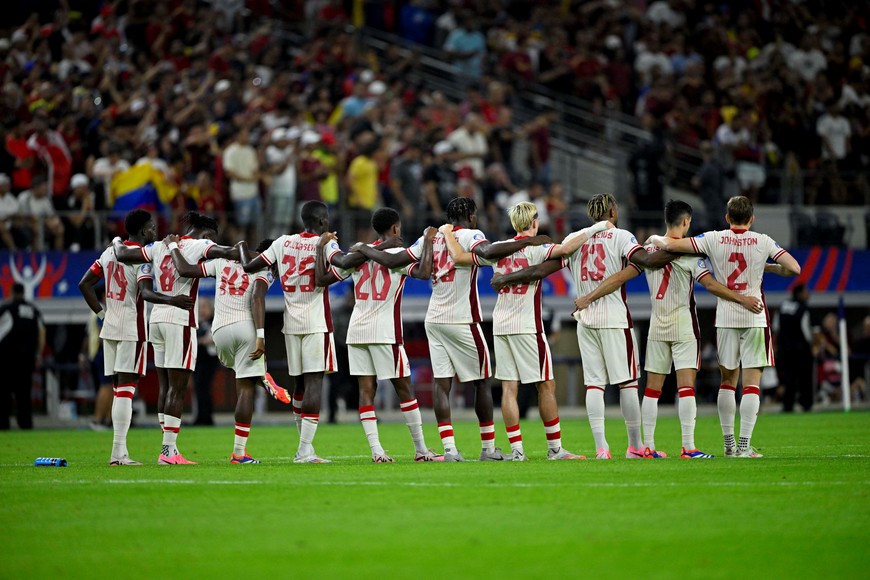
<point>460,208</point>
<point>198,221</point>
<point>264,245</point>
<point>798,290</point>
<point>740,210</point>
<point>18,289</point>
<point>135,221</point>
<point>384,219</point>
<point>676,211</point>
<point>312,212</point>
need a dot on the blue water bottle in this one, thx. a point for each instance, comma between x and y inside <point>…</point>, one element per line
<point>50,462</point>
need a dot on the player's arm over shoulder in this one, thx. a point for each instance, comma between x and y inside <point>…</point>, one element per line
<point>785,264</point>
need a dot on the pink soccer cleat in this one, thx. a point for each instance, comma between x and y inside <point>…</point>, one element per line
<point>603,454</point>
<point>429,455</point>
<point>277,393</point>
<point>653,454</point>
<point>632,453</point>
<point>177,459</point>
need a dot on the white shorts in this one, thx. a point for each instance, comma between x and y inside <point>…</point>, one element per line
<point>460,350</point>
<point>750,348</point>
<point>609,355</point>
<point>124,356</point>
<point>175,346</point>
<point>660,354</point>
<point>523,357</point>
<point>234,343</point>
<point>310,353</point>
<point>385,361</point>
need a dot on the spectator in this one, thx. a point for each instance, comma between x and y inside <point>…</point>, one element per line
<point>37,209</point>
<point>105,168</point>
<point>362,182</point>
<point>406,175</point>
<point>79,226</point>
<point>329,157</point>
<point>22,340</point>
<point>439,179</point>
<point>8,212</point>
<point>466,47</point>
<point>710,184</point>
<point>281,165</point>
<point>794,350</point>
<point>470,147</point>
<point>242,168</point>
<point>646,166</point>
<point>308,169</point>
<point>25,158</point>
<point>48,145</point>
<point>835,132</point>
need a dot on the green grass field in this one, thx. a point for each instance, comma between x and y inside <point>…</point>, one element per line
<point>802,511</point>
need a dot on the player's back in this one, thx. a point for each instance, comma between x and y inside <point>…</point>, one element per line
<point>454,297</point>
<point>605,254</point>
<point>377,311</point>
<point>518,308</point>
<point>125,308</point>
<point>738,257</point>
<point>233,291</point>
<point>672,290</point>
<point>306,306</point>
<point>168,281</point>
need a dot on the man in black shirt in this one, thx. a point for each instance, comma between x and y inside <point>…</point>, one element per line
<point>794,355</point>
<point>22,338</point>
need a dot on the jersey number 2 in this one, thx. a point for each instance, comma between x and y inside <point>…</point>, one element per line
<point>740,260</point>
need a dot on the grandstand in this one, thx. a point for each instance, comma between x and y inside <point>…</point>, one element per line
<point>244,110</point>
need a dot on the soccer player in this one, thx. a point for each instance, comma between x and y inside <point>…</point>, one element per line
<point>307,318</point>
<point>456,343</point>
<point>374,338</point>
<point>125,328</point>
<point>674,335</point>
<point>173,330</point>
<point>739,256</point>
<point>604,330</point>
<point>238,330</point>
<point>522,353</point>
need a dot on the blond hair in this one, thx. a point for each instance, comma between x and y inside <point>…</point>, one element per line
<point>523,215</point>
<point>599,206</point>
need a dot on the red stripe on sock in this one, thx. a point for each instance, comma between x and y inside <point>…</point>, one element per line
<point>590,387</point>
<point>515,439</point>
<point>243,425</point>
<point>751,390</point>
<point>556,435</point>
<point>652,393</point>
<point>123,395</point>
<point>173,429</point>
<point>312,416</point>
<point>728,387</point>
<point>634,386</point>
<point>552,423</point>
<point>490,424</point>
<point>366,409</point>
<point>686,392</point>
<point>240,433</point>
<point>409,405</point>
<point>487,436</point>
<point>446,433</point>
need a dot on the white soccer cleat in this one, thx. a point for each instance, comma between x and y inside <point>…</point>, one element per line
<point>381,458</point>
<point>560,454</point>
<point>519,456</point>
<point>125,460</point>
<point>730,452</point>
<point>750,452</point>
<point>309,459</point>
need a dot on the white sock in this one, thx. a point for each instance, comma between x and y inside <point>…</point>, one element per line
<point>749,406</point>
<point>306,434</point>
<point>515,438</point>
<point>727,405</point>
<point>414,421</point>
<point>630,406</point>
<point>160,419</point>
<point>595,411</point>
<point>554,434</point>
<point>688,410</point>
<point>297,413</point>
<point>122,413</point>
<point>370,425</point>
<point>649,410</point>
<point>445,430</point>
<point>240,441</point>
<point>487,436</point>
<point>171,427</point>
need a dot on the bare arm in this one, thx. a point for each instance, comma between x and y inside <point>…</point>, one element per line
<point>750,303</point>
<point>423,271</point>
<point>322,275</point>
<point>566,249</point>
<point>389,259</point>
<point>225,252</point>
<point>251,265</point>
<point>654,260</point>
<point>146,290</point>
<point>609,285</point>
<point>86,287</point>
<point>258,311</point>
<point>459,256</point>
<point>785,265</point>
<point>489,251</point>
<point>128,254</point>
<point>682,246</point>
<point>526,275</point>
<point>184,267</point>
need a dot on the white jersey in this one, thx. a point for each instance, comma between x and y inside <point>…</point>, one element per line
<point>125,308</point>
<point>233,290</point>
<point>306,306</point>
<point>377,313</point>
<point>454,288</point>
<point>518,308</point>
<point>672,290</point>
<point>605,254</point>
<point>738,257</point>
<point>168,281</point>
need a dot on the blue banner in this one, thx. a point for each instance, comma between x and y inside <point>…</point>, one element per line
<point>47,275</point>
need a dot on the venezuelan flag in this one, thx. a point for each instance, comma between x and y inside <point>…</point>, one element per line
<point>141,187</point>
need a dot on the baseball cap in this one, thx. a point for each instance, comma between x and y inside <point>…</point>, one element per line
<point>79,179</point>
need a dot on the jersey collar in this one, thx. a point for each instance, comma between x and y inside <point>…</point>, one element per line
<point>185,238</point>
<point>739,230</point>
<point>132,244</point>
<point>520,237</point>
<point>308,235</point>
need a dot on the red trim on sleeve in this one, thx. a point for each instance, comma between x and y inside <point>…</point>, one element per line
<point>145,254</point>
<point>261,278</point>
<point>96,268</point>
<point>207,250</point>
<point>477,243</point>
<point>701,275</point>
<point>410,253</point>
<point>333,253</point>
<point>143,277</point>
<point>265,259</point>
<point>412,266</point>
<point>694,245</point>
<point>778,254</point>
<point>632,251</point>
<point>202,269</point>
<point>335,272</point>
<point>550,251</point>
<point>636,267</point>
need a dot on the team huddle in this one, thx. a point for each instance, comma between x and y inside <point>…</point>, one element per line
<point>600,258</point>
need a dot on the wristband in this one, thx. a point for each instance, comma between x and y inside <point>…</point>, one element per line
<point>261,333</point>
<point>173,246</point>
<point>101,314</point>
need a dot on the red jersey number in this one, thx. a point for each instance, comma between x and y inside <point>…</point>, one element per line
<point>594,271</point>
<point>305,270</point>
<point>740,261</point>
<point>167,274</point>
<point>373,273</point>
<point>116,282</point>
<point>509,265</point>
<point>442,263</point>
<point>233,283</point>
<point>666,281</point>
